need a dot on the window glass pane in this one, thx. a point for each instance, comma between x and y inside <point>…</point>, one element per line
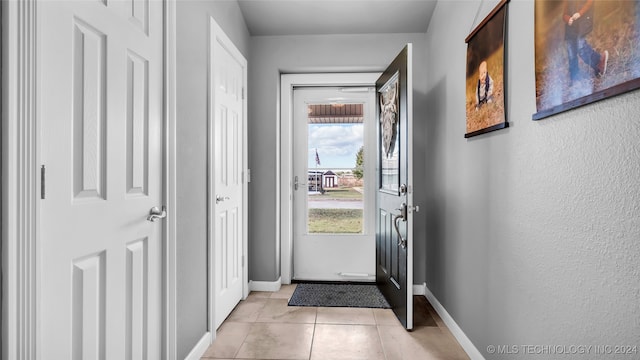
<point>335,169</point>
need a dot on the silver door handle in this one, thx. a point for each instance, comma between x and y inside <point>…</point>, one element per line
<point>296,183</point>
<point>402,242</point>
<point>220,198</point>
<point>155,213</point>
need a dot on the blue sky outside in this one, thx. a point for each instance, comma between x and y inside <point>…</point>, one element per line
<point>337,145</point>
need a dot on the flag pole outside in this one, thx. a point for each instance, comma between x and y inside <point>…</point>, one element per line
<point>317,163</point>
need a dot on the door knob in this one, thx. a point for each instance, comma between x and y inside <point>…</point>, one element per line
<point>155,213</point>
<point>220,198</point>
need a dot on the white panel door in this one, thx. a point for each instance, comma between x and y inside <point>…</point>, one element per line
<point>100,110</point>
<point>228,72</point>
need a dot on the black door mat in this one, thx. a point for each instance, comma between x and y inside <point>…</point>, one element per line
<point>338,295</point>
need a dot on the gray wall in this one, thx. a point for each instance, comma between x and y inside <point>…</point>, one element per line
<point>533,232</point>
<point>273,55</point>
<point>192,57</point>
<point>2,273</point>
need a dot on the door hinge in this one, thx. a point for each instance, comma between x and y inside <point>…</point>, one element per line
<point>42,177</point>
<point>242,261</point>
<point>242,93</point>
<point>248,175</point>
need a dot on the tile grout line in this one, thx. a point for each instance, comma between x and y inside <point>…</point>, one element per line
<point>235,355</point>
<point>253,324</point>
<point>313,335</point>
<point>384,351</point>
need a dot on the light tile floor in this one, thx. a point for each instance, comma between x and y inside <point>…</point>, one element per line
<point>264,327</point>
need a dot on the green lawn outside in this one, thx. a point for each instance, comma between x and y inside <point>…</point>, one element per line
<point>341,193</point>
<point>335,221</point>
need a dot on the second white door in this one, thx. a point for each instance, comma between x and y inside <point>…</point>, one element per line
<point>333,219</point>
<point>227,191</point>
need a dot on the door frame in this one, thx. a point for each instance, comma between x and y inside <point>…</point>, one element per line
<point>170,184</point>
<point>20,207</point>
<point>284,143</point>
<point>21,181</point>
<point>217,34</point>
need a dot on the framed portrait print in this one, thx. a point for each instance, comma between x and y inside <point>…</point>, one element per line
<point>585,51</point>
<point>485,74</point>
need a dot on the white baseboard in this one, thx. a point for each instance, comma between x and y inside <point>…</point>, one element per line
<point>272,286</point>
<point>457,332</point>
<point>200,348</point>
<point>419,289</point>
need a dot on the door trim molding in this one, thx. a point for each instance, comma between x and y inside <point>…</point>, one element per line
<point>284,161</point>
<point>170,183</point>
<point>20,181</point>
<point>216,32</point>
<point>201,347</point>
<point>270,286</point>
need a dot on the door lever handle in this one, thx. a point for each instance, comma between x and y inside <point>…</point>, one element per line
<point>296,183</point>
<point>155,213</point>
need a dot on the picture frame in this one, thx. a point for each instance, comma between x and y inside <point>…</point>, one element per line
<point>486,80</point>
<point>585,58</point>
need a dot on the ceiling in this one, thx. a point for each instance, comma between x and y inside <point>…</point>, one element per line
<point>319,17</point>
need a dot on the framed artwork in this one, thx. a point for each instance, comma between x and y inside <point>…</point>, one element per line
<point>586,51</point>
<point>389,95</point>
<point>486,80</point>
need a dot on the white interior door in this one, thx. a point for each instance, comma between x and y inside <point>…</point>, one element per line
<point>330,242</point>
<point>100,268</point>
<point>228,77</point>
